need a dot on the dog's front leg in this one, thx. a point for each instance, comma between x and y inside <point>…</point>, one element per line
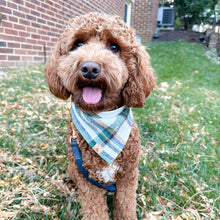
<point>93,201</point>
<point>125,197</point>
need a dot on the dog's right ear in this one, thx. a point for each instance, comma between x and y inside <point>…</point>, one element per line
<point>55,84</point>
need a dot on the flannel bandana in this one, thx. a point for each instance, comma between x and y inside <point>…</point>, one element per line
<point>106,132</point>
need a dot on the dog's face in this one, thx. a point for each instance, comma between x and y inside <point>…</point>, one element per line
<point>99,64</point>
<point>94,72</point>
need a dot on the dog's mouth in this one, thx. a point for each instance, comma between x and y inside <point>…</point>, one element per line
<point>92,93</point>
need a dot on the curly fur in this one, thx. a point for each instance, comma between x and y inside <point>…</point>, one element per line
<point>126,79</point>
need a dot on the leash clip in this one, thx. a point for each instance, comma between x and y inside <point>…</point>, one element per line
<point>73,135</point>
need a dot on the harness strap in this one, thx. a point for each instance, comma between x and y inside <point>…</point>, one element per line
<point>78,158</point>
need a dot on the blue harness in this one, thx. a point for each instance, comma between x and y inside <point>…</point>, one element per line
<point>78,158</point>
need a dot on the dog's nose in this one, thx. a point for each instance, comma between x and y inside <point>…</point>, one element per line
<point>90,70</point>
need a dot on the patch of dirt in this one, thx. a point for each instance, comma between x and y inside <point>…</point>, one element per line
<point>176,35</point>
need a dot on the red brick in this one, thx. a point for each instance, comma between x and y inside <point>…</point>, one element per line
<point>5,10</point>
<point>13,45</point>
<point>42,32</point>
<point>36,2</point>
<point>45,5</point>
<point>62,22</point>
<point>30,29</point>
<point>31,41</point>
<point>24,34</point>
<point>49,2</point>
<point>3,57</point>
<point>45,27</point>
<point>19,39</point>
<point>59,26</point>
<point>39,59</point>
<point>54,31</point>
<point>4,17</point>
<point>54,19</point>
<point>6,24</point>
<point>37,47</point>
<point>20,52</point>
<point>40,9</point>
<point>36,25</point>
<point>7,63</point>
<point>50,13</point>
<point>41,53</point>
<point>29,5</point>
<point>26,46</point>
<point>60,17</point>
<point>54,39</point>
<point>12,5</point>
<point>10,31</point>
<point>26,58</point>
<point>6,37</point>
<point>45,38</point>
<point>30,17</point>
<point>50,23</point>
<point>24,9</point>
<point>19,1</point>
<point>35,13</point>
<point>24,22</point>
<point>12,18</point>
<point>40,42</point>
<point>10,57</point>
<point>45,16</point>
<point>6,50</point>
<point>19,14</point>
<point>31,52</point>
<point>35,36</point>
<point>51,44</point>
<point>57,6</point>
<point>19,27</point>
<point>41,21</point>
<point>3,2</point>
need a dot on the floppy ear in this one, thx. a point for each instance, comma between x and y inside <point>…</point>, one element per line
<point>141,79</point>
<point>55,84</point>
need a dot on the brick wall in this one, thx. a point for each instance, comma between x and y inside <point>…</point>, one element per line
<point>30,28</point>
<point>144,18</point>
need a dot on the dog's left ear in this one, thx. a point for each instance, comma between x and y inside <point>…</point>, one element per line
<point>141,80</point>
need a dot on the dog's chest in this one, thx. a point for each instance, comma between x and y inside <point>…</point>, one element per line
<point>107,174</point>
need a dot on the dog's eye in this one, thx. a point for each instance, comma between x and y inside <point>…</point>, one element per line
<point>77,44</point>
<point>114,48</point>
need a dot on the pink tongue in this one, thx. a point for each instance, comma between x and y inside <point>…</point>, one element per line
<point>92,95</point>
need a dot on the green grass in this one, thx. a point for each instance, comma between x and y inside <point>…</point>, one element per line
<point>180,133</point>
<point>180,129</point>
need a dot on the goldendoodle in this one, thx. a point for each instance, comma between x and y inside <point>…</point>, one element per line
<point>98,63</point>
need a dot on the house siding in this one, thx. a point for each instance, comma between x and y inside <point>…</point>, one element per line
<point>144,18</point>
<point>30,28</point>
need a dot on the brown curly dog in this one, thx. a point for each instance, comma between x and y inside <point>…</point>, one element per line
<point>98,63</point>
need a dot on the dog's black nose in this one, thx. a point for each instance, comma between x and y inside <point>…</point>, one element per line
<point>90,70</point>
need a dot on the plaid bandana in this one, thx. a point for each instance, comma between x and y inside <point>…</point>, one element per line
<point>106,132</point>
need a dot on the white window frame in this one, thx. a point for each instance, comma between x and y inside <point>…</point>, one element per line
<point>128,12</point>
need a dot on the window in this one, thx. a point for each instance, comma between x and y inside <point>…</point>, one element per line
<point>127,17</point>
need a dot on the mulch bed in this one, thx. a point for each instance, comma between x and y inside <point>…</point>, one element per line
<point>176,35</point>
